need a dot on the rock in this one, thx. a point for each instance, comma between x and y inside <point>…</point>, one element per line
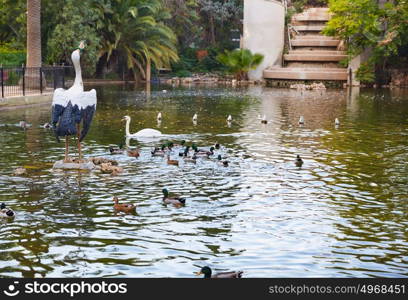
<point>20,171</point>
<point>60,164</point>
<point>313,86</point>
<point>187,80</point>
<point>107,168</point>
<point>102,160</point>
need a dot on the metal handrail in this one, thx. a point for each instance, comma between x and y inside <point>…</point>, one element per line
<point>291,28</point>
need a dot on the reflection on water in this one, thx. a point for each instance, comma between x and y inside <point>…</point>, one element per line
<point>343,214</point>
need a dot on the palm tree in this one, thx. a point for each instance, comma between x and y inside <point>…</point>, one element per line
<point>240,61</point>
<point>33,33</point>
<point>133,29</point>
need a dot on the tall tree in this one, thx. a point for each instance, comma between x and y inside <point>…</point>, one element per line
<point>133,30</point>
<point>33,33</point>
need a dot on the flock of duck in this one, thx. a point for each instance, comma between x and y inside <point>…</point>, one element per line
<point>187,153</point>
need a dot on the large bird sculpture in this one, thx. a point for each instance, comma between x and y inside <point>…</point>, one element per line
<point>72,107</point>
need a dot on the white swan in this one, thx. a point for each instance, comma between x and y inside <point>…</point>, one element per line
<point>147,132</point>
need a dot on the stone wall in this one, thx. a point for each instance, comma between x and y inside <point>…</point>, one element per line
<point>264,25</point>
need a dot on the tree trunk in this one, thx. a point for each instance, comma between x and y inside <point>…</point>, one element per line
<point>212,30</point>
<point>32,74</point>
<point>33,33</point>
<point>148,70</point>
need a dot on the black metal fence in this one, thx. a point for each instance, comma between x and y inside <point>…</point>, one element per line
<point>22,81</point>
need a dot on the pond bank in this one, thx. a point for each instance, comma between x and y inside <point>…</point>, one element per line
<point>20,101</point>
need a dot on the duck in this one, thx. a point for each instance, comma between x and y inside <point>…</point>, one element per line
<point>159,117</point>
<point>225,163</point>
<point>114,150</point>
<point>124,207</point>
<point>207,272</point>
<point>301,120</point>
<point>6,212</point>
<point>264,120</point>
<point>46,126</point>
<point>185,152</point>
<point>195,117</point>
<point>173,162</point>
<point>299,161</point>
<point>147,132</point>
<point>229,119</point>
<point>337,122</point>
<point>176,200</point>
<point>182,143</point>
<point>199,152</point>
<point>24,124</point>
<point>133,152</point>
<point>159,151</point>
<point>192,159</point>
<point>170,146</point>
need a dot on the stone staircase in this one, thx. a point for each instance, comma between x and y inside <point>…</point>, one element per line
<point>313,56</point>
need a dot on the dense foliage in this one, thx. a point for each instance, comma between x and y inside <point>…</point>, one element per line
<point>365,24</point>
<point>11,57</point>
<point>126,36</point>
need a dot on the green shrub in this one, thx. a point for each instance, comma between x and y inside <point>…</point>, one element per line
<point>183,73</point>
<point>365,73</point>
<point>11,57</point>
<point>189,63</point>
<point>240,61</point>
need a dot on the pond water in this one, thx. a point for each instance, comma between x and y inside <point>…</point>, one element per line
<point>343,214</point>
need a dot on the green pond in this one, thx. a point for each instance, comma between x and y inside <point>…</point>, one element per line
<point>343,214</point>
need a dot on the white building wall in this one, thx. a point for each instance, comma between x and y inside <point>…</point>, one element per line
<point>264,26</point>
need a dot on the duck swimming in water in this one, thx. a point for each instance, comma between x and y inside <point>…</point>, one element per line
<point>133,152</point>
<point>6,212</point>
<point>200,152</point>
<point>225,163</point>
<point>173,162</point>
<point>186,158</point>
<point>159,151</point>
<point>176,200</point>
<point>124,207</point>
<point>207,272</point>
<point>299,161</point>
<point>115,150</point>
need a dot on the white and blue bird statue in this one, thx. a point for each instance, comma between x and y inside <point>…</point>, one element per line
<point>72,107</point>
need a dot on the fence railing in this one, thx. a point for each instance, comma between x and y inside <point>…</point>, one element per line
<point>22,81</point>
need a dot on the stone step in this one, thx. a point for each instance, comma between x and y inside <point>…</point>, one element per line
<point>317,10</point>
<point>317,52</point>
<point>309,27</point>
<point>315,43</point>
<point>314,57</point>
<point>306,74</point>
<point>312,17</point>
<point>314,37</point>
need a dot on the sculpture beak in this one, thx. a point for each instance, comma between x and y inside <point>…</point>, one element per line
<point>82,45</point>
